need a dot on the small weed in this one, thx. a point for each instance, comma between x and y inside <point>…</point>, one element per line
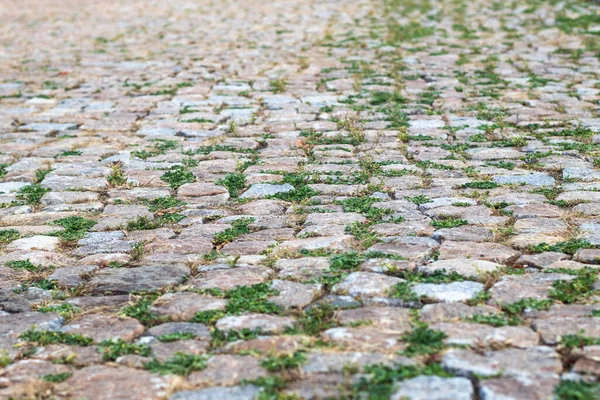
<point>433,165</point>
<point>141,311</point>
<point>578,288</point>
<point>238,228</point>
<point>339,267</point>
<point>502,164</point>
<point>40,174</point>
<point>277,85</point>
<point>438,276</point>
<point>577,390</point>
<point>363,233</point>
<point>111,350</point>
<point>31,194</point>
<point>569,247</point>
<point>448,223</point>
<point>284,362</point>
<point>69,153</point>
<point>461,204</point>
<point>75,227</point>
<point>56,378</point>
<point>164,203</point>
<point>384,98</point>
<point>301,190</point>
<point>5,359</point>
<point>314,320</point>
<point>66,310</point>
<point>177,176</point>
<point>418,200</point>
<point>481,185</point>
<point>251,299</point>
<point>496,319</point>
<point>378,380</point>
<point>403,290</point>
<point>180,364</point>
<point>271,386</point>
<point>527,303</point>
<point>175,336</point>
<point>220,338</point>
<point>22,264</point>
<point>423,341</point>
<point>364,205</point>
<point>242,299</point>
<point>44,338</point>
<point>234,182</point>
<point>8,235</point>
<point>116,176</point>
<point>578,341</point>
<point>208,317</point>
<point>143,223</point>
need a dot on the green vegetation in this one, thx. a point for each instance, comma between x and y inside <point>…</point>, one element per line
<point>448,222</point>
<point>140,310</point>
<point>578,341</point>
<point>277,85</point>
<point>8,235</point>
<point>569,247</point>
<point>164,203</point>
<point>314,320</point>
<point>301,190</point>
<point>481,185</point>
<point>284,362</point>
<point>55,378</point>
<point>75,227</point>
<point>377,381</point>
<point>496,319</point>
<point>418,200</point>
<point>180,364</point>
<point>116,176</point>
<point>242,299</point>
<point>403,290</point>
<point>31,194</point>
<point>527,303</point>
<point>384,98</point>
<point>578,288</point>
<point>177,176</point>
<point>251,299</point>
<point>238,228</point>
<point>70,153</point>
<point>44,338</point>
<point>364,205</point>
<point>66,310</point>
<point>40,174</point>
<point>234,182</point>
<point>423,340</point>
<point>175,336</point>
<point>22,264</point>
<point>220,338</point>
<point>340,266</point>
<point>577,390</point>
<point>143,223</point>
<point>111,350</point>
<point>5,358</point>
<point>205,150</point>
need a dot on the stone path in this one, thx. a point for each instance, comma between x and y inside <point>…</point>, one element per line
<point>344,199</point>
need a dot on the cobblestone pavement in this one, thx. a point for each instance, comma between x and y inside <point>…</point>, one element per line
<point>345,199</point>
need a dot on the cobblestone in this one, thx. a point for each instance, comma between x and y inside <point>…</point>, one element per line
<point>344,199</point>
